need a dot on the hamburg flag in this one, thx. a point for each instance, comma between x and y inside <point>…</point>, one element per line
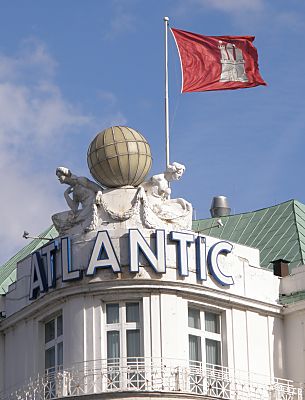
<point>217,62</point>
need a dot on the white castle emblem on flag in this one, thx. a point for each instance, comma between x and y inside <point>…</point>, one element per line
<point>232,63</point>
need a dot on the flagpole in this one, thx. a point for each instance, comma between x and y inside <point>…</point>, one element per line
<point>166,19</point>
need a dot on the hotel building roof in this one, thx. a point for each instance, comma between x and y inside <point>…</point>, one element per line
<point>277,231</point>
<point>8,270</point>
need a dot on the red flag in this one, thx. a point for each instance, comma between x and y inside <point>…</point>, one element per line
<point>217,62</point>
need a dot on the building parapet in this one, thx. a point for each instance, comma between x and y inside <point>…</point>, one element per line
<point>146,375</point>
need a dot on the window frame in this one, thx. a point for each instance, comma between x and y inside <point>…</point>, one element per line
<point>122,326</point>
<point>205,335</point>
<point>57,340</point>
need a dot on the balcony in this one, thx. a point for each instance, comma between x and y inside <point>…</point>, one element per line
<point>143,376</point>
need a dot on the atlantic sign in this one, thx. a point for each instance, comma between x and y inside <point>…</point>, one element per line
<point>103,255</point>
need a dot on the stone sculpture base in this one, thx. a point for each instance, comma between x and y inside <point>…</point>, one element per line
<point>124,208</point>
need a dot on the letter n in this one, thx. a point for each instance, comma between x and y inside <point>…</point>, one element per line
<point>137,242</point>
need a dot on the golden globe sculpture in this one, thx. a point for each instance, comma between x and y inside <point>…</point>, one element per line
<point>119,156</point>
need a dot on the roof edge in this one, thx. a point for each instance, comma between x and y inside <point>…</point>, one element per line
<point>250,212</point>
<point>297,228</point>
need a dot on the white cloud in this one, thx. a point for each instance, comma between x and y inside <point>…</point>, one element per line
<point>38,125</point>
<point>34,115</point>
<point>108,97</point>
<point>27,200</point>
<point>290,20</point>
<point>36,122</point>
<point>233,6</point>
<point>247,15</point>
<point>121,22</point>
<point>32,57</point>
<point>109,102</point>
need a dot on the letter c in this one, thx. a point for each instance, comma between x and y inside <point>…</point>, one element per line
<point>214,269</point>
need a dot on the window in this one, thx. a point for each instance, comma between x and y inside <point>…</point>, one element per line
<point>53,338</point>
<point>123,327</point>
<point>204,352</point>
<point>124,343</point>
<point>53,343</point>
<point>204,337</point>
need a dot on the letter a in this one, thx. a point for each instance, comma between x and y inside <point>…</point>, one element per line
<point>103,254</point>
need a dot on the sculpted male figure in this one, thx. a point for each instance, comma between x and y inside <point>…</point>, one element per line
<point>82,196</point>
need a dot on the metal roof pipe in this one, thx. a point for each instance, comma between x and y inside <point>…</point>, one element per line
<point>220,207</point>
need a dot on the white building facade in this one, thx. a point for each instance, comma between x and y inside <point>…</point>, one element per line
<point>145,331</point>
<point>128,310</point>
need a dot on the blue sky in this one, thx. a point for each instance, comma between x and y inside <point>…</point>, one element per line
<point>71,68</point>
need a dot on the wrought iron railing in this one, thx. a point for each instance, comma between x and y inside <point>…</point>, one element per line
<point>150,374</point>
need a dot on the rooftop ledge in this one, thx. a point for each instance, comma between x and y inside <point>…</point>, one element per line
<point>143,377</point>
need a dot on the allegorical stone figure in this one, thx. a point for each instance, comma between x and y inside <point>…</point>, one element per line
<point>158,194</point>
<point>82,196</point>
<point>115,201</point>
<point>158,185</point>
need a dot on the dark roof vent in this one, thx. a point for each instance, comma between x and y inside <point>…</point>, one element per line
<point>280,267</point>
<point>220,207</point>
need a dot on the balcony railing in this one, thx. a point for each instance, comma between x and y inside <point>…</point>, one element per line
<point>162,375</point>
